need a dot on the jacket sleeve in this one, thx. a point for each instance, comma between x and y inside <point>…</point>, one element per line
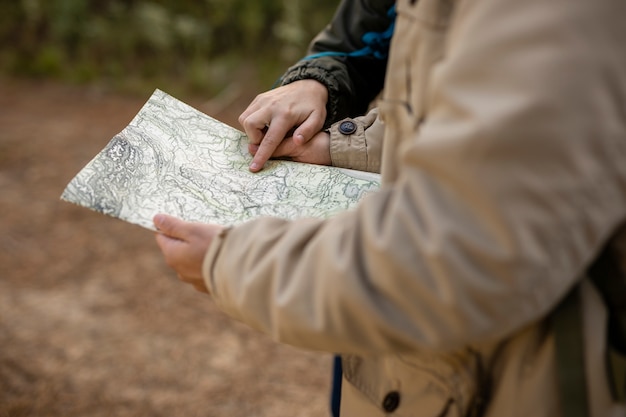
<point>349,56</point>
<point>359,148</point>
<point>507,191</point>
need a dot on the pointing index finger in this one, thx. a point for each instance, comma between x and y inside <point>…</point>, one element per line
<point>275,134</point>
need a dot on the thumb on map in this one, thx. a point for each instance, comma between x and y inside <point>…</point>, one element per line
<point>170,226</point>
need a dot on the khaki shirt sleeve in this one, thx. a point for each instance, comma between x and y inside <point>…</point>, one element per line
<point>516,177</point>
<point>361,149</point>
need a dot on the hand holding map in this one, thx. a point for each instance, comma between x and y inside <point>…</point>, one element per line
<point>174,159</point>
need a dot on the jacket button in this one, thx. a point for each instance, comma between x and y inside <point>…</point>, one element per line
<point>348,127</point>
<point>391,401</point>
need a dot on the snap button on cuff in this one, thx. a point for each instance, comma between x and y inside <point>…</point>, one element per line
<point>347,128</point>
<point>391,401</point>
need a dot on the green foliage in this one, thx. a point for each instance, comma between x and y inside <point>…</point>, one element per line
<point>200,44</point>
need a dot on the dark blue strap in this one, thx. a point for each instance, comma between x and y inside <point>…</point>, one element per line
<point>335,393</point>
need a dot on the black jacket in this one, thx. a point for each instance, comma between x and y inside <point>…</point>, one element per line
<point>349,56</point>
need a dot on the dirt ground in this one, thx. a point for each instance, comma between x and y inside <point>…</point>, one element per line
<point>92,322</point>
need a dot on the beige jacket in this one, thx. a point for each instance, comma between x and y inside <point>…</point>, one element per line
<point>504,170</point>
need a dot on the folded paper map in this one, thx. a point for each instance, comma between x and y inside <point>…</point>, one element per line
<point>174,159</point>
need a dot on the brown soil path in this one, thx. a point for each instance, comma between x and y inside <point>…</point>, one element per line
<point>92,322</point>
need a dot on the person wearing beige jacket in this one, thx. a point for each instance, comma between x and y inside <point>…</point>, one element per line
<point>503,133</point>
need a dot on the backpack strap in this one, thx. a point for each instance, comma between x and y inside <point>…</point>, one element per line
<point>608,273</point>
<point>567,327</point>
<point>616,363</point>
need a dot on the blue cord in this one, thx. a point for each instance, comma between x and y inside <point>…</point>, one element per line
<point>376,43</point>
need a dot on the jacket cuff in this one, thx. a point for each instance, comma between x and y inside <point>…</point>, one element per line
<point>210,257</point>
<point>356,143</point>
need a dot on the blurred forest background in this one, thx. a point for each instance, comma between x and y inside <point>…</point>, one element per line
<point>191,45</point>
<point>92,321</point>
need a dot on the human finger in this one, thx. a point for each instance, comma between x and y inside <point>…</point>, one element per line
<point>253,107</point>
<point>275,134</point>
<point>287,149</point>
<point>315,151</point>
<point>256,125</point>
<point>199,285</point>
<point>309,127</point>
<point>184,246</point>
<point>171,226</point>
<point>252,148</point>
<point>172,249</point>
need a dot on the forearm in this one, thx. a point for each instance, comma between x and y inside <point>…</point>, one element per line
<point>506,191</point>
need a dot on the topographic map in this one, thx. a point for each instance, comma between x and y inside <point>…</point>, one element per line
<point>174,159</point>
